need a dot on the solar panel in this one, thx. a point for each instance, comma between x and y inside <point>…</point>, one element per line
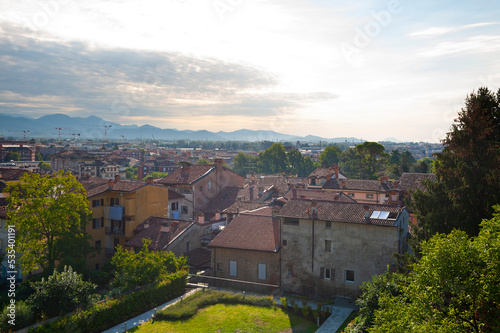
<point>383,215</point>
<point>375,214</point>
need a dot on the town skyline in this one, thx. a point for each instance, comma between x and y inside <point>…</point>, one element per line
<point>368,70</point>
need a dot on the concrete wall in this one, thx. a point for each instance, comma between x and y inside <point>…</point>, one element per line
<point>247,268</point>
<point>364,249</point>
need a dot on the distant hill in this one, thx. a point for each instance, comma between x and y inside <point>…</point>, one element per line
<point>94,128</point>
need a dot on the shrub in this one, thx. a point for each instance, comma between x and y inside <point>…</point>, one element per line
<point>306,310</point>
<point>62,292</point>
<point>111,312</point>
<point>23,317</point>
<point>188,307</point>
<point>296,308</point>
<point>284,302</point>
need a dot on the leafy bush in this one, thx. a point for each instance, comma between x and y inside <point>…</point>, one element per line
<point>284,302</point>
<point>306,310</point>
<point>138,269</point>
<point>62,292</point>
<point>188,307</point>
<point>296,308</point>
<point>23,317</point>
<point>111,312</point>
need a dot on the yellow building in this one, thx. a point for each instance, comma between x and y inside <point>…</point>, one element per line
<point>118,207</point>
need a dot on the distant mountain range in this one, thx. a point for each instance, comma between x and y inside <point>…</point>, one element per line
<point>93,127</point>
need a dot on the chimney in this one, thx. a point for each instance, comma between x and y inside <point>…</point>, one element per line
<point>146,225</point>
<point>165,227</point>
<point>251,193</point>
<point>149,180</point>
<point>367,212</point>
<point>328,176</point>
<point>396,184</point>
<point>294,192</point>
<point>117,178</point>
<point>314,209</point>
<point>336,197</point>
<point>111,183</point>
<point>252,177</point>
<point>217,216</point>
<point>275,212</point>
<point>219,162</point>
<point>343,184</point>
<point>201,218</point>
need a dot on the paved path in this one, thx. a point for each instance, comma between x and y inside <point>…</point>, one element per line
<point>136,321</point>
<point>340,311</point>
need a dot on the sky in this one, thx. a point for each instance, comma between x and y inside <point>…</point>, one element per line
<point>367,69</point>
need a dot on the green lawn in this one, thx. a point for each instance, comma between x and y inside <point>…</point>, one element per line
<point>232,318</point>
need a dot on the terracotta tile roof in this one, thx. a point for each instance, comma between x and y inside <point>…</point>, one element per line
<point>151,229</point>
<point>413,181</point>
<point>222,200</point>
<point>89,182</point>
<point>199,258</point>
<point>338,211</point>
<point>280,183</point>
<point>10,174</point>
<point>358,184</point>
<point>96,187</point>
<point>174,195</point>
<point>187,175</point>
<point>240,206</point>
<point>317,194</point>
<point>249,232</point>
<point>325,172</point>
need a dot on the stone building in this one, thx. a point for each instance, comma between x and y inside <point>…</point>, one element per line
<point>330,247</point>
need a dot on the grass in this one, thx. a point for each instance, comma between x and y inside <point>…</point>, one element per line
<point>231,318</point>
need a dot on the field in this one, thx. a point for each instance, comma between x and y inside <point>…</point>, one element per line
<point>232,318</point>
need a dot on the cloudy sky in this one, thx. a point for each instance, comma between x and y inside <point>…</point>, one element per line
<point>368,69</point>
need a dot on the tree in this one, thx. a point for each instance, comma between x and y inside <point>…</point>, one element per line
<point>61,293</point>
<point>467,171</point>
<point>351,163</point>
<point>373,158</point>
<point>46,210</point>
<point>137,269</point>
<point>13,156</point>
<point>156,175</point>
<point>273,160</point>
<point>38,156</point>
<point>203,162</point>
<point>454,287</point>
<point>244,163</point>
<point>329,156</point>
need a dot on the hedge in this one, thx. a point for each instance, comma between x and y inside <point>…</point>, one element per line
<point>114,311</point>
<point>190,305</point>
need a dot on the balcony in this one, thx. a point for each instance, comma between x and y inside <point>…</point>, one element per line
<point>117,231</point>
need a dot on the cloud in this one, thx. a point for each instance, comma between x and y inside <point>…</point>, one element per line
<point>476,44</point>
<point>41,76</point>
<point>437,31</point>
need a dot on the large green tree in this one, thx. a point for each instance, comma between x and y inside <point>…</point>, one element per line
<point>329,156</point>
<point>454,287</point>
<point>467,171</point>
<point>47,211</point>
<point>273,160</point>
<point>137,269</point>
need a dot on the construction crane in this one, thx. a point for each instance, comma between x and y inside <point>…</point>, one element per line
<point>74,136</point>
<point>61,128</point>
<point>21,131</point>
<point>106,133</point>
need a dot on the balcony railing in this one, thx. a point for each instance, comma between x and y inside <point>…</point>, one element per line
<point>115,231</point>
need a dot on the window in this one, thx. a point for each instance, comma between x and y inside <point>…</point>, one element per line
<point>174,206</point>
<point>233,268</point>
<point>369,196</point>
<point>328,245</point>
<point>201,188</point>
<point>290,221</point>
<point>102,222</point>
<point>350,194</point>
<point>114,202</point>
<point>96,203</point>
<point>220,267</point>
<point>98,244</point>
<point>284,242</point>
<point>326,273</point>
<point>187,246</point>
<point>96,223</point>
<point>262,271</point>
<point>328,224</point>
<point>349,276</point>
<point>184,209</point>
<point>96,267</point>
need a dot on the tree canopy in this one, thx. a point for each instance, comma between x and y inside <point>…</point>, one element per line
<point>329,156</point>
<point>47,211</point>
<point>454,287</point>
<point>467,171</point>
